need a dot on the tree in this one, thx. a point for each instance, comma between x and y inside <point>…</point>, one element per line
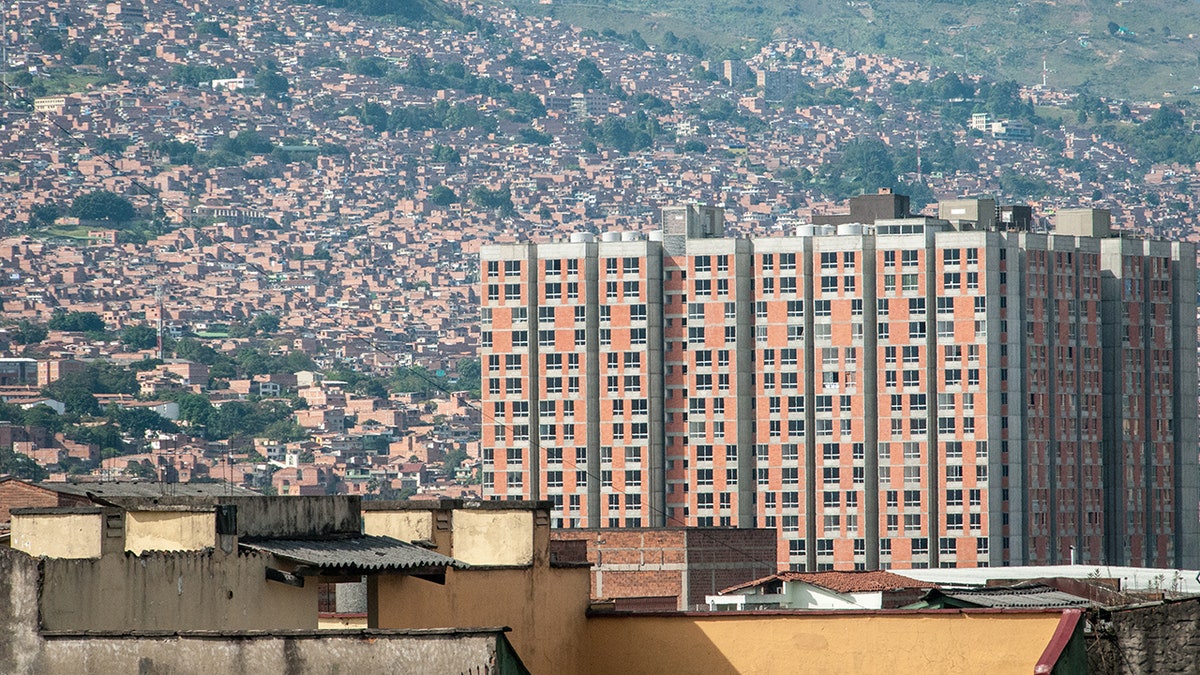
<point>44,214</point>
<point>103,205</point>
<point>195,409</point>
<point>442,195</point>
<point>139,337</point>
<point>27,332</point>
<point>266,323</point>
<point>375,116</point>
<point>271,83</point>
<point>589,76</point>
<point>499,199</point>
<point>76,322</point>
<point>21,466</point>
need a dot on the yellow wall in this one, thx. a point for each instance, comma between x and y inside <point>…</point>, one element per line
<point>403,525</point>
<point>926,642</point>
<point>68,535</point>
<point>487,537</point>
<point>544,606</point>
<point>169,531</point>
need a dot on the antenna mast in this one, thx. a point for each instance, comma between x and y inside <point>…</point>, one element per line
<point>158,301</point>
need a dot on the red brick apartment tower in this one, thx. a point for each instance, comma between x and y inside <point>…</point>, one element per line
<point>630,398</point>
<point>709,346</point>
<point>784,475</point>
<point>510,382</point>
<point>1055,467</point>
<point>574,382</point>
<point>844,410</point>
<point>914,392</point>
<point>969,396</point>
<point>1149,288</point>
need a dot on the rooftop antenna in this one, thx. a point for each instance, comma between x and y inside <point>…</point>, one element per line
<point>158,300</point>
<point>918,155</point>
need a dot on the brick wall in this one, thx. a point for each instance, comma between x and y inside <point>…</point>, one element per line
<point>720,558</point>
<point>16,493</point>
<point>684,564</point>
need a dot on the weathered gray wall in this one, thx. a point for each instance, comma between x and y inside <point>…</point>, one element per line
<point>206,590</point>
<point>1162,638</point>
<point>19,641</point>
<point>276,517</point>
<point>449,654</point>
<point>26,651</point>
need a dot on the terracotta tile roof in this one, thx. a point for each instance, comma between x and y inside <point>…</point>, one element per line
<point>842,582</point>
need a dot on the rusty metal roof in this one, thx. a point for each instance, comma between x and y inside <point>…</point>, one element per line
<point>359,554</point>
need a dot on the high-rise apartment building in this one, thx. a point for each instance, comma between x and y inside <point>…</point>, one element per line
<point>884,390</point>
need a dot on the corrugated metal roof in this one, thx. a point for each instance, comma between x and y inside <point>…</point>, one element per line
<point>1024,597</point>
<point>367,553</point>
<point>114,489</point>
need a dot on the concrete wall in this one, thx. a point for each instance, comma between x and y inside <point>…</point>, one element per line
<point>181,591</point>
<point>493,537</point>
<point>169,531</point>
<point>861,643</point>
<point>19,641</point>
<point>544,606</point>
<point>24,652</point>
<point>1163,638</point>
<point>403,525</point>
<point>447,652</point>
<point>66,535</point>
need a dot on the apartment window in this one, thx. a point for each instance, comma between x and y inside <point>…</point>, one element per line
<point>909,282</point>
<point>632,289</point>
<point>493,268</point>
<point>952,281</point>
<point>795,404</point>
<point>916,330</point>
<point>630,265</point>
<point>703,263</point>
<point>767,261</point>
<point>512,267</point>
<point>795,308</point>
<point>822,308</point>
<point>637,312</point>
<point>512,291</point>
<point>950,256</point>
<point>787,261</point>
<point>829,284</point>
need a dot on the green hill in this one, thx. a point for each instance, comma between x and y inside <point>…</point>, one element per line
<point>1134,49</point>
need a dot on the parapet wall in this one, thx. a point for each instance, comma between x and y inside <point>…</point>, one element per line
<point>450,652</point>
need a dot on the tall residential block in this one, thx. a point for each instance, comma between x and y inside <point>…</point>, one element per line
<point>884,390</point>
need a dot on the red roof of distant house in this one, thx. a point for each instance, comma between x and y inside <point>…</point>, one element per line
<point>842,582</point>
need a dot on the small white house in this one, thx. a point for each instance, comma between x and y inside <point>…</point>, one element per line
<point>821,591</point>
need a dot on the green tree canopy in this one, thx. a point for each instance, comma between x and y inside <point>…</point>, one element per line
<point>140,336</point>
<point>76,322</point>
<point>103,205</point>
